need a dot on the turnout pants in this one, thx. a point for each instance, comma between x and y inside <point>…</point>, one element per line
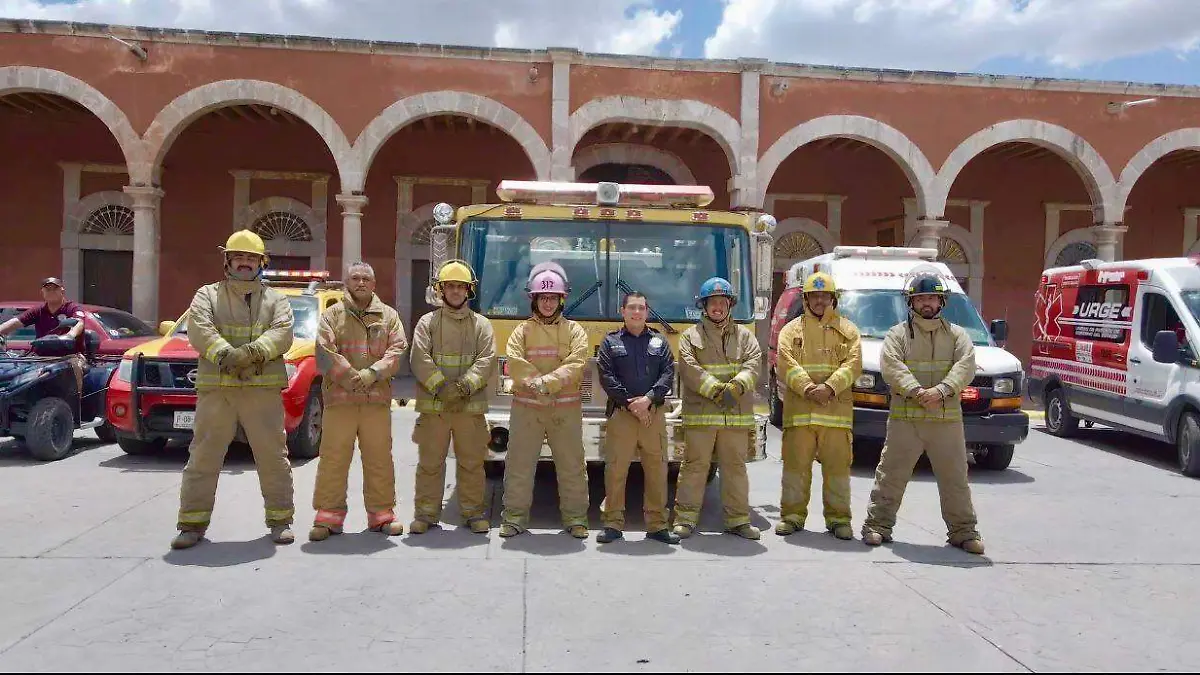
<point>562,428</point>
<point>625,438</point>
<point>433,434</point>
<point>371,425</point>
<point>946,446</point>
<point>730,445</point>
<point>218,412</point>
<point>833,448</point>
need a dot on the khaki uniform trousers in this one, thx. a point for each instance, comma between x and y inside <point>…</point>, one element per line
<point>946,446</point>
<point>432,434</point>
<point>833,448</point>
<point>624,438</point>
<point>371,425</point>
<point>562,429</point>
<point>730,446</point>
<point>218,412</point>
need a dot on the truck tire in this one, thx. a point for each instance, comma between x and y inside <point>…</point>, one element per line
<point>1187,442</point>
<point>132,446</point>
<point>1059,420</point>
<point>304,442</point>
<point>776,405</point>
<point>997,457</point>
<point>106,433</point>
<point>51,430</point>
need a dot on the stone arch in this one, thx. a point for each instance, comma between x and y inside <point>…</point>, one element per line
<point>1091,167</point>
<point>1080,235</point>
<point>632,153</point>
<point>179,113</point>
<point>16,79</point>
<point>1180,139</point>
<point>418,106</point>
<point>717,123</point>
<point>892,142</point>
<point>813,230</point>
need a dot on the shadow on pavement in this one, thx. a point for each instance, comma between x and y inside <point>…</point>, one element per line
<point>223,553</point>
<point>14,452</point>
<point>821,540</point>
<point>350,543</point>
<point>446,537</point>
<point>940,556</point>
<point>557,543</point>
<point>1126,445</point>
<point>635,545</point>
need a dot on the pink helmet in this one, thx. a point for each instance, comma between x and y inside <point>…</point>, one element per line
<point>548,277</point>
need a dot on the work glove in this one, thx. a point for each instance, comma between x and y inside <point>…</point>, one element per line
<point>445,392</point>
<point>235,359</point>
<point>728,398</point>
<point>464,389</point>
<point>538,384</point>
<point>736,387</point>
<point>367,377</point>
<point>257,352</point>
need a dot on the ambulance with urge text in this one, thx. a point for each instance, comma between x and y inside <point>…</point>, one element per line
<point>1113,344</point>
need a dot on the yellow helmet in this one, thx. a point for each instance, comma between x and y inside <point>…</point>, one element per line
<point>456,270</point>
<point>245,241</point>
<point>820,282</point>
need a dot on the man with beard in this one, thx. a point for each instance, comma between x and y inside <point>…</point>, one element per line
<point>241,329</point>
<point>359,344</point>
<point>453,356</point>
<point>546,357</point>
<point>927,362</point>
<point>719,363</point>
<point>820,357</point>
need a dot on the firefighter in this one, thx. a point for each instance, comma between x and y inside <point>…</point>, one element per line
<point>546,357</point>
<point>719,364</point>
<point>820,357</point>
<point>241,328</point>
<point>359,344</point>
<point>453,357</point>
<point>637,370</point>
<point>927,362</point>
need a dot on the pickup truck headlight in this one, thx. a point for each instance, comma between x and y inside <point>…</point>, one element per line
<point>865,381</point>
<point>124,371</point>
<point>1004,385</point>
<point>291,369</point>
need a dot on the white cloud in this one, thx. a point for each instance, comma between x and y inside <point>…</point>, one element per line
<point>620,26</point>
<point>956,35</point>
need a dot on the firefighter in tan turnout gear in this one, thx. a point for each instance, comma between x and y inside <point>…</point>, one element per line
<point>241,329</point>
<point>453,357</point>
<point>546,357</point>
<point>359,344</point>
<point>718,364</point>
<point>820,357</point>
<point>927,362</point>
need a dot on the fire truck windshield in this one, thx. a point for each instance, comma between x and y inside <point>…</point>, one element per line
<point>304,315</point>
<point>875,312</point>
<point>666,262</point>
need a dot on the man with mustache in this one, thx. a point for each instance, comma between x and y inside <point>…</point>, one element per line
<point>241,328</point>
<point>927,362</point>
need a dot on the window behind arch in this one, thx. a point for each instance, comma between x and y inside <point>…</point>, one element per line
<point>109,219</point>
<point>282,225</point>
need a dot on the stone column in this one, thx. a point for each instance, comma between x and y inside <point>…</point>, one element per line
<point>146,244</point>
<point>560,115</point>
<point>743,186</point>
<point>1107,237</point>
<point>929,233</point>
<point>352,206</point>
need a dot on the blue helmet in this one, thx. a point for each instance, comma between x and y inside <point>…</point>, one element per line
<point>715,286</point>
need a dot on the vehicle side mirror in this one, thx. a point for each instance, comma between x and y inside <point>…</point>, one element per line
<point>999,330</point>
<point>166,328</point>
<point>1166,346</point>
<point>91,342</point>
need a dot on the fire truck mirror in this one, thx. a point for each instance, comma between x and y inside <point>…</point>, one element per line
<point>1166,346</point>
<point>999,330</point>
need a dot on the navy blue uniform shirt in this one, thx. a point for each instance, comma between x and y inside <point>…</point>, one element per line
<point>636,365</point>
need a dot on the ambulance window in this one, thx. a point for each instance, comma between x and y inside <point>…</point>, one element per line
<point>1158,315</point>
<point>1099,311</point>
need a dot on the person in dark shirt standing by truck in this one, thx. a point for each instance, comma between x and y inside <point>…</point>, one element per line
<point>45,319</point>
<point>637,370</point>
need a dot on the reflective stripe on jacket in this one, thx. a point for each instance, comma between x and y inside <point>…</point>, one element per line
<point>229,314</point>
<point>556,350</point>
<point>349,340</point>
<point>710,355</point>
<point>923,354</point>
<point>449,344</point>
<point>826,350</point>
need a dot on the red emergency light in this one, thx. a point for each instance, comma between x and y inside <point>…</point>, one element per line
<point>606,194</point>
<point>296,275</point>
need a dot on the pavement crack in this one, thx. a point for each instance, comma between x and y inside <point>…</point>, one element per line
<point>964,624</point>
<point>525,616</point>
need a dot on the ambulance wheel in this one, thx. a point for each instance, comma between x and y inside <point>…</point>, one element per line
<point>995,458</point>
<point>1059,420</point>
<point>1188,444</point>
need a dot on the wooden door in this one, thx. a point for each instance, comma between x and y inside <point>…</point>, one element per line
<point>420,281</point>
<point>107,279</point>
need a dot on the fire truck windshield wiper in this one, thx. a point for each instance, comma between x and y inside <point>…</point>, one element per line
<point>626,289</point>
<point>583,298</point>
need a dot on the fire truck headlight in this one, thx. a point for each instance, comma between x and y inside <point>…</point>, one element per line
<point>291,369</point>
<point>1004,385</point>
<point>443,213</point>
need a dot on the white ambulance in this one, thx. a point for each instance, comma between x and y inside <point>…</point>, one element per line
<point>1113,343</point>
<point>871,281</point>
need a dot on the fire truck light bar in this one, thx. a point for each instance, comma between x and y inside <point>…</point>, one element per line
<point>546,192</point>
<point>297,275</point>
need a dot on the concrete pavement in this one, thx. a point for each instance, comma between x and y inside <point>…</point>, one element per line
<point>1092,561</point>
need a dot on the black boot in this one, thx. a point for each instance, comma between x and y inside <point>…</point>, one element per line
<point>664,535</point>
<point>609,534</point>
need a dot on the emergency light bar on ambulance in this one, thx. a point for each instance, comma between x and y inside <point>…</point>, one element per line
<point>604,194</point>
<point>885,252</point>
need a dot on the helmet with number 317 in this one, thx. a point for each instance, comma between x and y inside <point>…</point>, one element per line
<point>547,278</point>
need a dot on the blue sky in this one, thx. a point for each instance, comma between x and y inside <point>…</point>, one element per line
<point>1153,41</point>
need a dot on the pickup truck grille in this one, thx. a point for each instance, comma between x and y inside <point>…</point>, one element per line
<point>168,374</point>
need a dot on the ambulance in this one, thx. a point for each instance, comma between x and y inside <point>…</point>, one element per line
<point>610,238</point>
<point>871,281</point>
<point>1113,344</point>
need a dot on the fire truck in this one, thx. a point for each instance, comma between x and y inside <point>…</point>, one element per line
<point>152,394</point>
<point>610,239</point>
